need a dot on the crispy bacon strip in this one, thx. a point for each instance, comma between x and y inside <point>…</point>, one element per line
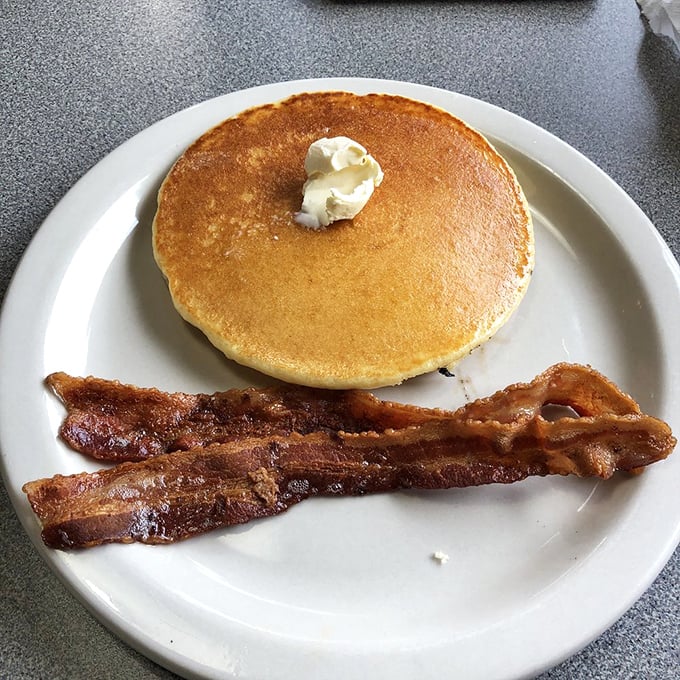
<point>111,421</point>
<point>578,387</point>
<point>174,496</point>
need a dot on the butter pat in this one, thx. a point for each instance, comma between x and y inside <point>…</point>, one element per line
<point>341,178</point>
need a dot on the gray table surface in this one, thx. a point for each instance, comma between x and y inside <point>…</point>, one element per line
<point>77,79</point>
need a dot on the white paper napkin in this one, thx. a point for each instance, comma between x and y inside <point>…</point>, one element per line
<point>663,17</point>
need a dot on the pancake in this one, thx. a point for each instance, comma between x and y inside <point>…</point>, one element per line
<point>431,268</point>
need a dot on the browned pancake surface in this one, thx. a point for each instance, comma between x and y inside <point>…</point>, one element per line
<point>431,267</point>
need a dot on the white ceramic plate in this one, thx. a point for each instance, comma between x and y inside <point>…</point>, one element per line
<point>340,588</point>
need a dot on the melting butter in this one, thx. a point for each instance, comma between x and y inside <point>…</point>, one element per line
<point>341,177</point>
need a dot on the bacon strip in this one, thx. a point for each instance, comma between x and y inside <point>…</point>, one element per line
<point>578,387</point>
<point>114,422</point>
<point>174,496</point>
<point>111,421</point>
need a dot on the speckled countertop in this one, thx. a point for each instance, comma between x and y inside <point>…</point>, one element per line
<point>78,79</point>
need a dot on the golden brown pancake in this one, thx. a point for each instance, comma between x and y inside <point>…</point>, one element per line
<point>432,266</point>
